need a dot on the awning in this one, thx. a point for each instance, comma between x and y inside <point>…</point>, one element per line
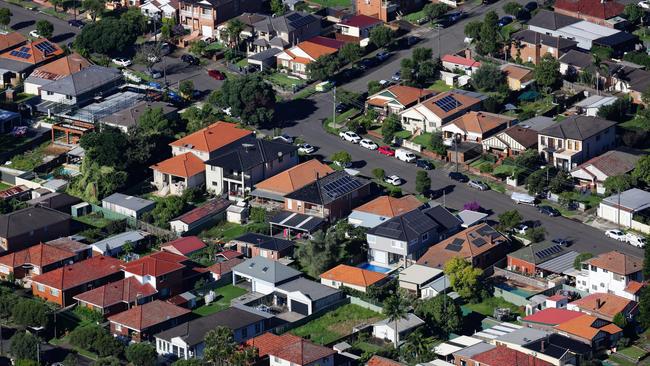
<point>559,264</point>
<point>260,193</point>
<point>297,221</point>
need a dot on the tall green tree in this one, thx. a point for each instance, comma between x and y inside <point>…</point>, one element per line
<point>5,17</point>
<point>547,72</point>
<point>389,128</point>
<point>418,348</point>
<point>94,7</point>
<point>646,262</point>
<point>463,278</point>
<point>509,219</point>
<point>632,12</point>
<point>154,123</point>
<point>107,36</point>
<point>381,36</point>
<point>644,307</point>
<point>141,354</point>
<point>473,29</point>
<point>44,28</point>
<point>512,8</point>
<point>488,37</point>
<point>219,346</point>
<point>441,313</point>
<point>433,11</point>
<point>249,98</point>
<point>642,169</point>
<point>489,77</point>
<point>350,52</point>
<point>422,181</point>
<point>619,183</point>
<point>278,8</point>
<point>396,309</point>
<point>23,346</point>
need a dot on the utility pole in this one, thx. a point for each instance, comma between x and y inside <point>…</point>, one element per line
<point>456,152</point>
<point>334,105</point>
<point>618,211</point>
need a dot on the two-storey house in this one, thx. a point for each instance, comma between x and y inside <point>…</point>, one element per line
<point>612,272</point>
<point>23,228</point>
<point>357,29</point>
<point>530,46</point>
<point>283,31</point>
<point>203,16</point>
<point>164,271</point>
<point>430,114</point>
<point>140,323</point>
<point>403,239</point>
<point>576,139</point>
<point>288,349</point>
<point>33,261</point>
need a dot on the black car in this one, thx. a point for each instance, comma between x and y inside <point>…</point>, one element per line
<point>450,19</point>
<point>370,62</point>
<point>411,40</point>
<point>505,21</point>
<point>523,15</point>
<point>424,164</point>
<point>531,6</point>
<point>549,211</point>
<point>351,73</point>
<point>562,242</point>
<point>76,23</point>
<point>458,177</point>
<point>190,59</point>
<point>342,107</point>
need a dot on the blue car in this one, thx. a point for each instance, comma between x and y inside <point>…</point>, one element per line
<point>505,21</point>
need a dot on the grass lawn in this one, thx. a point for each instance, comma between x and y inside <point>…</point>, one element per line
<point>30,159</point>
<point>488,305</point>
<point>4,186</point>
<point>225,295</point>
<point>633,352</point>
<point>414,17</point>
<point>538,107</point>
<point>424,140</point>
<point>242,63</point>
<point>283,80</point>
<point>227,231</point>
<point>341,119</point>
<point>404,135</point>
<point>336,324</point>
<point>94,220</point>
<point>620,361</point>
<point>305,93</point>
<point>332,3</point>
<point>643,34</point>
<point>636,124</point>
<point>440,86</point>
<point>56,14</point>
<point>590,200</point>
<point>214,46</point>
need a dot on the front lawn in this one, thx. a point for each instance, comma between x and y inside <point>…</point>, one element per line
<point>424,140</point>
<point>336,324</point>
<point>633,352</point>
<point>283,80</point>
<point>415,17</point>
<point>440,86</point>
<point>332,3</point>
<point>404,135</point>
<point>225,295</point>
<point>487,306</point>
<point>29,159</point>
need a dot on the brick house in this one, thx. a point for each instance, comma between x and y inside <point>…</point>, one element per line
<point>294,60</point>
<point>116,296</point>
<point>140,323</point>
<point>594,11</point>
<point>526,259</point>
<point>162,270</point>
<point>476,126</point>
<point>502,355</point>
<point>34,261</point>
<point>203,16</point>
<point>530,46</point>
<point>23,228</point>
<point>253,245</point>
<point>290,349</point>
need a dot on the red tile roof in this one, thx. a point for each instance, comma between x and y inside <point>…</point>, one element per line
<point>213,137</point>
<point>79,273</point>
<point>617,262</point>
<point>289,348</point>
<point>605,305</point>
<point>156,264</point>
<point>145,316</point>
<point>230,254</point>
<point>382,361</point>
<point>633,287</point>
<point>361,21</point>
<point>353,275</point>
<point>39,255</point>
<point>184,165</point>
<point>127,291</point>
<point>552,316</point>
<point>502,355</point>
<point>595,8</point>
<point>211,208</point>
<point>460,60</point>
<point>185,245</point>
<point>222,268</point>
<point>34,55</point>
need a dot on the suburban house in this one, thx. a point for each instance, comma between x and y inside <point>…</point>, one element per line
<point>114,245</point>
<point>592,104</point>
<point>184,246</point>
<point>396,98</point>
<point>207,142</point>
<point>141,322</point>
<point>593,173</point>
<point>439,285</point>
<point>306,297</point>
<point>352,277</point>
<point>576,139</point>
<point>288,349</point>
<point>196,219</point>
<point>238,168</point>
<point>156,9</point>
<point>548,318</point>
<point>71,244</point>
<point>518,77</point>
<point>117,296</point>
<point>33,261</point>
<point>281,31</point>
<point>594,11</point>
<point>62,284</point>
<point>416,277</point>
<point>82,86</point>
<point>629,209</point>
<point>178,173</point>
<point>511,141</point>
<point>632,81</point>
<point>430,114</point>
<point>16,63</point>
<point>382,208</point>
<point>253,245</point>
<point>201,17</point>
<point>404,238</point>
<point>185,340</point>
<point>11,40</point>
<point>612,272</point>
<point>222,271</point>
<point>502,355</point>
<point>263,274</point>
<point>396,332</point>
<point>598,333</point>
<point>55,70</point>
<point>526,259</point>
<point>476,126</point>
<point>480,245</point>
<point>294,60</point>
<point>356,29</point>
<point>330,197</point>
<point>383,361</point>
<point>386,10</point>
<point>56,200</point>
<point>531,46</point>
<point>130,206</point>
<point>28,226</point>
<point>463,61</point>
<point>575,61</point>
<point>128,118</point>
<point>165,272</point>
<point>272,190</point>
<point>605,306</point>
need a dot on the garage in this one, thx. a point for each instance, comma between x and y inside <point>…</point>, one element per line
<point>299,307</point>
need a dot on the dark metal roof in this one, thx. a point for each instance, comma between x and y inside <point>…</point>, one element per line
<point>329,188</point>
<point>265,241</point>
<point>551,20</point>
<point>578,127</point>
<point>411,225</point>
<point>242,157</point>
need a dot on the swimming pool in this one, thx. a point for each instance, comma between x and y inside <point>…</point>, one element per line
<point>372,267</point>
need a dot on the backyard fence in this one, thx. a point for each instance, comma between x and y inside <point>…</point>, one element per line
<point>365,304</point>
<point>287,327</point>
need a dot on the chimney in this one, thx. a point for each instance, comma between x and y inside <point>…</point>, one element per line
<point>468,53</point>
<point>599,303</point>
<point>543,346</point>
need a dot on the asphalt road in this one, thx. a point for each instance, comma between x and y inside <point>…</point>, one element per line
<point>24,21</point>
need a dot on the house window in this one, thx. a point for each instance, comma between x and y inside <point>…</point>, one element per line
<point>602,284</point>
<point>594,287</point>
<point>50,93</point>
<point>118,328</point>
<point>54,292</point>
<point>68,97</point>
<point>215,183</point>
<point>372,239</point>
<point>40,288</point>
<point>543,140</point>
<point>276,360</point>
<point>605,271</point>
<point>617,277</point>
<point>594,269</point>
<point>397,244</point>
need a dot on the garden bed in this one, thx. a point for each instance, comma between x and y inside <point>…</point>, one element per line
<point>336,324</point>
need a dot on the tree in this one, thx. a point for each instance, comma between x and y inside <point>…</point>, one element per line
<point>94,7</point>
<point>149,55</point>
<point>198,47</point>
<point>277,7</point>
<point>186,88</point>
<point>378,173</point>
<point>441,313</point>
<point>619,183</point>
<point>463,278</point>
<point>70,360</point>
<point>249,98</point>
<point>107,36</point>
<point>44,28</point>
<point>396,309</point>
<point>23,346</point>
<point>488,43</point>
<point>5,17</point>
<point>617,111</point>
<point>421,54</point>
<point>536,182</point>
<point>374,87</point>
<point>632,12</point>
<point>418,347</point>
<point>433,11</point>
<point>197,118</point>
<point>350,52</point>
<point>488,77</point>
<point>389,128</point>
<point>381,36</point>
<point>619,319</point>
<point>31,313</point>
<point>512,8</point>
<point>56,4</point>
<point>324,67</point>
<point>646,261</point>
<point>190,362</point>
<point>536,234</point>
<point>547,71</point>
<point>644,307</point>
<point>166,209</point>
<point>26,363</point>
<point>473,29</point>
<point>219,345</point>
<point>642,169</point>
<point>561,182</point>
<point>529,160</point>
<point>509,219</point>
<point>234,29</point>
<point>342,157</point>
<point>437,143</point>
<point>107,361</point>
<point>577,262</point>
<point>141,354</point>
<point>105,147</point>
<point>153,123</point>
<point>422,181</point>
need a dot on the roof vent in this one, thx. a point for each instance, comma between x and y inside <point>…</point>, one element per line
<point>248,147</point>
<point>265,269</point>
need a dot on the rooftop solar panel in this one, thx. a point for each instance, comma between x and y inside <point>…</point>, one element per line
<point>453,247</point>
<point>45,47</point>
<point>479,242</point>
<point>448,103</point>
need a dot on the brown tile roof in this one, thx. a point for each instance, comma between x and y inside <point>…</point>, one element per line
<point>79,273</point>
<point>613,162</point>
<point>527,137</point>
<point>586,327</point>
<point>596,8</point>
<point>388,206</point>
<point>11,40</point>
<point>289,348</point>
<point>516,72</point>
<point>184,245</point>
<point>466,244</point>
<point>617,262</point>
<point>69,244</point>
<point>156,264</point>
<point>295,177</point>
<point>406,95</point>
<point>502,355</point>
<point>382,361</point>
<point>605,305</point>
<point>38,255</point>
<point>145,316</point>
<point>353,275</point>
<point>465,102</point>
<point>61,68</point>
<point>127,291</point>
<point>185,165</point>
<point>35,56</point>
<point>213,137</point>
<point>320,46</point>
<point>633,287</point>
<point>480,122</point>
<point>222,268</point>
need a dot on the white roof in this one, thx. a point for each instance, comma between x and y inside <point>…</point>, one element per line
<point>419,274</point>
<point>596,101</point>
<point>411,321</point>
<point>445,349</point>
<point>465,341</point>
<point>440,363</point>
<point>588,30</point>
<point>470,218</point>
<point>633,199</point>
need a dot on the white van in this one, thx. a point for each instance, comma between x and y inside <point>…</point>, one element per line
<point>636,240</point>
<point>405,155</point>
<point>523,198</point>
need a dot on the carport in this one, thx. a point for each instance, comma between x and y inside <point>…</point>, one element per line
<point>291,222</point>
<point>264,59</point>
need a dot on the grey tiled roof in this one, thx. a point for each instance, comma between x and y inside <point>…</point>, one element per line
<point>83,81</point>
<point>578,127</point>
<point>266,270</point>
<point>551,20</point>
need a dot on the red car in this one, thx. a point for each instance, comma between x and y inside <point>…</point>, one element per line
<point>216,74</point>
<point>386,150</point>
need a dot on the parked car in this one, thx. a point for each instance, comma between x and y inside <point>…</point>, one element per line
<point>216,74</point>
<point>34,34</point>
<point>350,137</point>
<point>458,177</point>
<point>382,56</point>
<point>520,229</point>
<point>124,62</point>
<point>548,211</point>
<point>189,59</point>
<point>130,76</point>
<point>370,62</point>
<point>349,74</point>
<point>531,6</point>
<point>284,138</point>
<point>397,76</point>
<point>76,23</point>
<point>386,150</point>
<point>368,144</point>
<point>616,234</point>
<point>523,15</point>
<point>342,107</point>
<point>450,19</point>
<point>411,40</point>
<point>342,164</point>
<point>405,155</point>
<point>478,185</point>
<point>505,21</point>
<point>424,164</point>
<point>562,242</point>
<point>153,59</point>
<point>155,74</point>
<point>523,198</point>
<point>636,240</point>
<point>306,149</point>
<point>394,180</point>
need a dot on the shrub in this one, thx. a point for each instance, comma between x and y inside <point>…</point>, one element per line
<point>486,168</point>
<point>378,173</point>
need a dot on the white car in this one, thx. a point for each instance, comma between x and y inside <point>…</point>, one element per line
<point>153,59</point>
<point>124,62</point>
<point>34,34</point>
<point>128,75</point>
<point>616,235</point>
<point>394,180</point>
<point>284,138</point>
<point>368,144</point>
<point>520,229</point>
<point>350,137</point>
<point>306,149</point>
<point>636,240</point>
<point>644,4</point>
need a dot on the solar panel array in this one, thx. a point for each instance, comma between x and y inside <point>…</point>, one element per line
<point>479,242</point>
<point>419,222</point>
<point>456,245</point>
<point>389,230</point>
<point>299,21</point>
<point>293,17</point>
<point>45,47</point>
<point>548,251</point>
<point>341,186</point>
<point>448,103</point>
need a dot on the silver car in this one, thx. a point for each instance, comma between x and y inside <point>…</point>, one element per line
<point>478,185</point>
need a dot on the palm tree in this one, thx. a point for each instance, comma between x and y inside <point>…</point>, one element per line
<point>219,346</point>
<point>234,28</point>
<point>396,309</point>
<point>418,346</point>
<point>601,70</point>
